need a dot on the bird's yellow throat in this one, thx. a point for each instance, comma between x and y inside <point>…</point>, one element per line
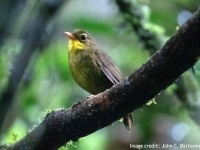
<point>75,45</point>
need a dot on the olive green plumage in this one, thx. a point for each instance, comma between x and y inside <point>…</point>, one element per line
<point>91,67</point>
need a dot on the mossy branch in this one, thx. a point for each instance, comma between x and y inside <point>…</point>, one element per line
<point>178,55</point>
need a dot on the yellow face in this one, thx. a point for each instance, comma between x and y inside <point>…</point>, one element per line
<point>75,44</point>
<point>79,40</point>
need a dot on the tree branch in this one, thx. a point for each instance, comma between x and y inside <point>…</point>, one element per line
<point>178,54</point>
<point>133,15</point>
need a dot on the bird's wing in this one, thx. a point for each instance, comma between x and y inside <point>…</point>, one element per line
<point>114,75</point>
<point>108,67</point>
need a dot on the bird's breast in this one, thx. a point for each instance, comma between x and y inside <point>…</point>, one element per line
<point>87,73</point>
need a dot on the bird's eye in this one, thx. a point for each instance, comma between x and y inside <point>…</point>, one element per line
<point>83,37</point>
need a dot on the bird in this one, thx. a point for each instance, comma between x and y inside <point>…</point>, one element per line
<point>91,67</point>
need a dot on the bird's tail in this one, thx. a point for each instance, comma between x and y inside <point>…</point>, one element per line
<point>128,121</point>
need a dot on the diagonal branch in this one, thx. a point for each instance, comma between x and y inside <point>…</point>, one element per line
<point>178,54</point>
<point>134,16</point>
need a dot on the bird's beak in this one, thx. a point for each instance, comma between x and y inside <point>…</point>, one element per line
<point>70,35</point>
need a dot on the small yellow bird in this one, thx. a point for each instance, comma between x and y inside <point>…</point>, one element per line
<point>91,67</point>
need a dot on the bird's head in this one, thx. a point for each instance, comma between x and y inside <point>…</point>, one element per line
<point>79,40</point>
